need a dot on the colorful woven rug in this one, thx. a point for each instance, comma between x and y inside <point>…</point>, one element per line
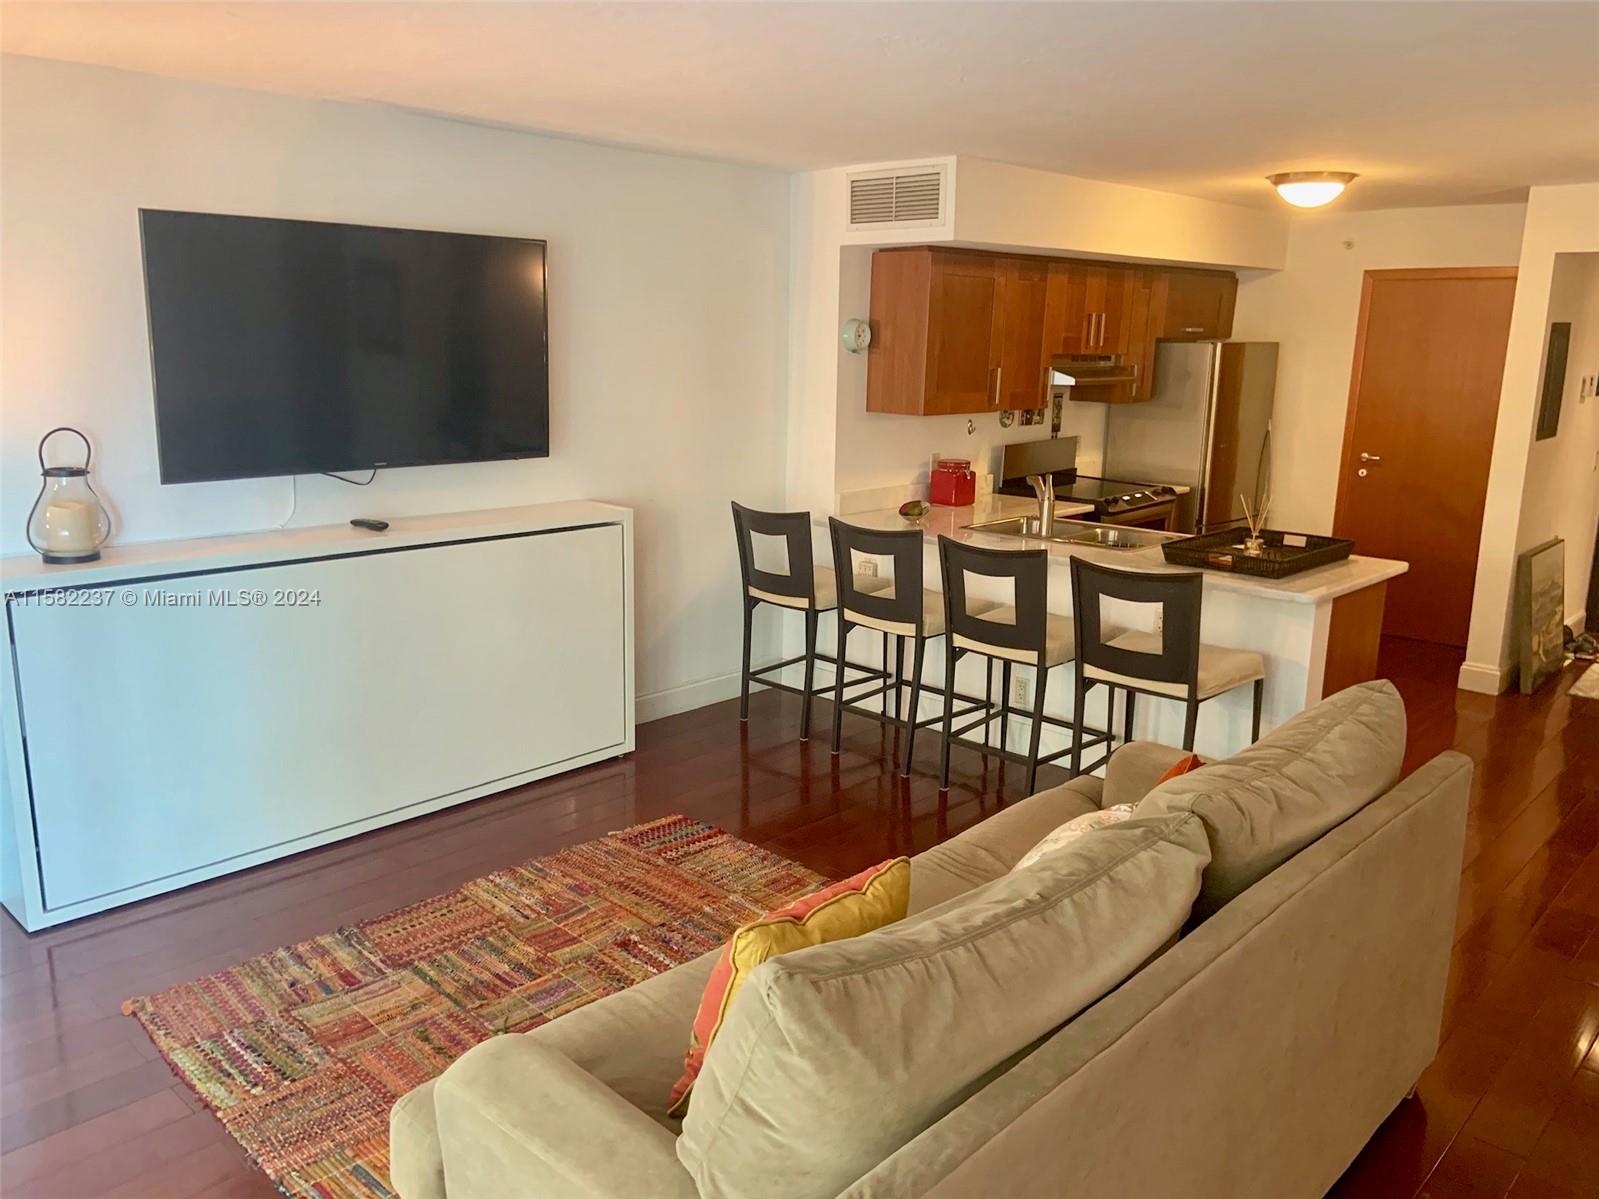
<point>302,1051</point>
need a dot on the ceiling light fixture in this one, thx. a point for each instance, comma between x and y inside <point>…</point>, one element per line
<point>1310,189</point>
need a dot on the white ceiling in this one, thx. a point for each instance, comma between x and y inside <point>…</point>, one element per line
<point>1434,103</point>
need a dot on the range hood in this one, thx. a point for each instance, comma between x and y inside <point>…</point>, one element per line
<point>1083,370</point>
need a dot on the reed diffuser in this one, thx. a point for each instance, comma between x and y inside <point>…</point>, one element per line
<point>1254,544</point>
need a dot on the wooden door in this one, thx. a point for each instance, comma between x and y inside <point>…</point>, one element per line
<point>1019,379</point>
<point>964,315</point>
<point>1423,401</point>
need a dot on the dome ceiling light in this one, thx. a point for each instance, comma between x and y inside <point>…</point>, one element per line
<point>1310,189</point>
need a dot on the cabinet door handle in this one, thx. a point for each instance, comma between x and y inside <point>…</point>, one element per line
<point>1194,329</point>
<point>1099,339</point>
<point>999,374</point>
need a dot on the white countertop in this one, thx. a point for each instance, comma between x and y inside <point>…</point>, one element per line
<point>1309,587</point>
<point>26,572</point>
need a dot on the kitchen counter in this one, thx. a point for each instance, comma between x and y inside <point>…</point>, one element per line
<point>1318,630</point>
<point>1310,587</point>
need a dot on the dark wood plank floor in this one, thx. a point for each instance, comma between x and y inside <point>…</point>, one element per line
<point>1511,1107</point>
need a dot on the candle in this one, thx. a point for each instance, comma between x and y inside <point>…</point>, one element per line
<point>69,527</point>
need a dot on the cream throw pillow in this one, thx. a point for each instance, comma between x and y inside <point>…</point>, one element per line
<point>1077,826</point>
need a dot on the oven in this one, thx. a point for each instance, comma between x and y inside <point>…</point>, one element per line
<point>1162,515</point>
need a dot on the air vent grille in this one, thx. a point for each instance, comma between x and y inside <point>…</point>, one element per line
<point>896,199</point>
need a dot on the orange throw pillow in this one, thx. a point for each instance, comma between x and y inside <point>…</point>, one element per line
<point>871,899</point>
<point>1190,763</point>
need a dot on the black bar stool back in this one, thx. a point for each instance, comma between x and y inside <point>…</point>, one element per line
<point>1179,597</point>
<point>797,588</point>
<point>898,611</point>
<point>1020,627</point>
<point>1022,632</point>
<point>1171,663</point>
<point>899,604</point>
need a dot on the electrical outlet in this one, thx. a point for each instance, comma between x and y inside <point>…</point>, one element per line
<point>1021,693</point>
<point>1160,620</point>
<point>867,567</point>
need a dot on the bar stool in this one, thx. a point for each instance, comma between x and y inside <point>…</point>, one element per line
<point>902,609</point>
<point>802,586</point>
<point>1025,632</point>
<point>1172,663</point>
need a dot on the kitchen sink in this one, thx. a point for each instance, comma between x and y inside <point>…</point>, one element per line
<point>1074,532</point>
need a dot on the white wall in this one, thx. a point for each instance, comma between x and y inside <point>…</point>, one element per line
<point>1312,307</point>
<point>1561,498</point>
<point>997,204</point>
<point>1560,220</point>
<point>668,335</point>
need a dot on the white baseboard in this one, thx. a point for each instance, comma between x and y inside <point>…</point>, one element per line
<point>1484,680</point>
<point>685,698</point>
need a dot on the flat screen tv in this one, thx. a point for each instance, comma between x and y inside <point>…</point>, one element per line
<point>300,347</point>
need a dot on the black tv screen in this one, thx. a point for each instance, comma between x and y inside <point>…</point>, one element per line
<point>297,347</point>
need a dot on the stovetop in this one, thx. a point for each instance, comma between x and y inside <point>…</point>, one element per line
<point>1110,495</point>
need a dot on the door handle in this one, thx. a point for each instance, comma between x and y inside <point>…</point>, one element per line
<point>1365,457</point>
<point>999,373</point>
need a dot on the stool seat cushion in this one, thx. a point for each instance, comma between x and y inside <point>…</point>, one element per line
<point>826,590</point>
<point>1219,669</point>
<point>1059,640</point>
<point>932,614</point>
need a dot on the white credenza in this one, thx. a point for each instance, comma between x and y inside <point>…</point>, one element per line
<point>181,710</point>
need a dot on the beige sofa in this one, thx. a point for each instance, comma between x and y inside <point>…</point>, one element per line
<point>1254,1056</point>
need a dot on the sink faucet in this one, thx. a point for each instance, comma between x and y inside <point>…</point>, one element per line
<point>1044,488</point>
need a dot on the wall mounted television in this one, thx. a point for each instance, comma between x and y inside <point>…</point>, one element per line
<point>284,347</point>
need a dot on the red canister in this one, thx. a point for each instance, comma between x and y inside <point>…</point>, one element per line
<point>953,483</point>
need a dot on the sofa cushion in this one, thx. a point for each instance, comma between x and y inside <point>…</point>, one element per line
<point>1267,803</point>
<point>835,1056</point>
<point>850,908</point>
<point>992,846</point>
<point>1134,770</point>
<point>632,1041</point>
<point>416,1164</point>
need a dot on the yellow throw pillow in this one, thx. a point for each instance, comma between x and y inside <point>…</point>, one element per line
<point>869,900</point>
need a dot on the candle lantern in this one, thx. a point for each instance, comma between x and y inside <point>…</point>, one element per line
<point>68,522</point>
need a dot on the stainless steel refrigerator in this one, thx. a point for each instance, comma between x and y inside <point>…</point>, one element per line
<point>1207,427</point>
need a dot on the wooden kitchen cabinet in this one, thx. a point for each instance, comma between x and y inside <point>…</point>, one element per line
<point>1023,357</point>
<point>967,331</point>
<point>955,332</point>
<point>1089,306</point>
<point>1196,305</point>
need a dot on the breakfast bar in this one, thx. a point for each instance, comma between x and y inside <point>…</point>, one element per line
<point>1318,630</point>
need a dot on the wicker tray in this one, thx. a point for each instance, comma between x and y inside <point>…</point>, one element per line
<point>1224,551</point>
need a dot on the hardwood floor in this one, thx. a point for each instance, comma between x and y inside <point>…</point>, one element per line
<point>1510,1108</point>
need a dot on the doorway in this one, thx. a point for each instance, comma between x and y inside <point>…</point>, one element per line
<point>1423,403</point>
